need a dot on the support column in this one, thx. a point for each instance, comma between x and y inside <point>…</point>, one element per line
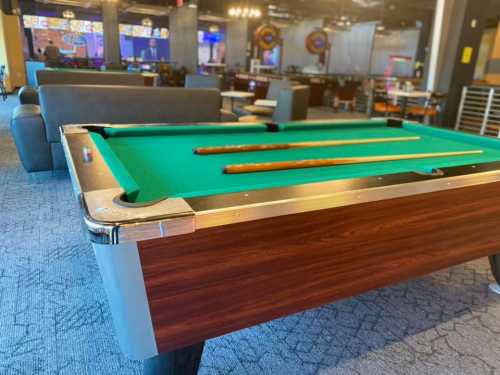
<point>493,66</point>
<point>457,32</point>
<point>432,63</point>
<point>237,44</point>
<point>11,51</point>
<point>111,33</point>
<point>423,41</point>
<point>184,37</point>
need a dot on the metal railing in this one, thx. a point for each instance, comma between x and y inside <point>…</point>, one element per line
<point>479,110</point>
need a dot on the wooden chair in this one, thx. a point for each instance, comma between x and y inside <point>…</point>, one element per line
<point>3,90</point>
<point>345,95</point>
<point>429,110</point>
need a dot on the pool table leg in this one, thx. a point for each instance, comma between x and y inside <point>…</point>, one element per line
<point>495,268</point>
<point>185,361</point>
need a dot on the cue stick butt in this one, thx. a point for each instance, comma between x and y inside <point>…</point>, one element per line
<point>315,163</point>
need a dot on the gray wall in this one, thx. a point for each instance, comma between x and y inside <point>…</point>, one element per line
<point>294,45</point>
<point>397,42</point>
<point>184,37</point>
<point>351,50</point>
<point>236,44</point>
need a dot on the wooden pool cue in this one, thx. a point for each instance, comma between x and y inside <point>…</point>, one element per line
<point>314,163</point>
<point>286,146</point>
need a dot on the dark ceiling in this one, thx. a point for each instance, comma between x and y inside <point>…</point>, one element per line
<point>363,9</point>
<point>394,10</point>
<point>395,13</point>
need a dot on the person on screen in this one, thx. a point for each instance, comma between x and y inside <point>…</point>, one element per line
<point>151,53</point>
<point>40,56</point>
<point>52,54</point>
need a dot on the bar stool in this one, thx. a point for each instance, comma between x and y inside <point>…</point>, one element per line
<point>382,104</point>
<point>430,109</point>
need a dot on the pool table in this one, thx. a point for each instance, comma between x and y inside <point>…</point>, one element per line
<point>188,252</point>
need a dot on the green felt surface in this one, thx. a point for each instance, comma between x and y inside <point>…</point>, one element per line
<point>159,162</point>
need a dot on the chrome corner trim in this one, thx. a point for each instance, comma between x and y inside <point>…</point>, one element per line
<point>113,223</point>
<point>73,129</point>
<point>102,207</point>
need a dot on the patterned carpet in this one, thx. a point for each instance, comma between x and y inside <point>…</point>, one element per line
<point>54,317</point>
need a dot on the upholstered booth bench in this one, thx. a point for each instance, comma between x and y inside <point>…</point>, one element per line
<point>29,95</point>
<point>36,128</point>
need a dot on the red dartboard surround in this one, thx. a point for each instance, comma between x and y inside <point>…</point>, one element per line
<point>267,37</point>
<point>317,42</point>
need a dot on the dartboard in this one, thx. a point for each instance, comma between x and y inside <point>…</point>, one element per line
<point>317,42</point>
<point>267,37</point>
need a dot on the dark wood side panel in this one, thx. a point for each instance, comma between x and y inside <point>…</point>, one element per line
<point>222,279</point>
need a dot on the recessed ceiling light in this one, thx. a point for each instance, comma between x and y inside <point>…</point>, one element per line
<point>147,22</point>
<point>68,14</point>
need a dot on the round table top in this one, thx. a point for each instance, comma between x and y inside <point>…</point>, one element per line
<point>237,94</point>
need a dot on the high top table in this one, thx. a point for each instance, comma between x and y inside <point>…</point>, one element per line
<point>237,95</point>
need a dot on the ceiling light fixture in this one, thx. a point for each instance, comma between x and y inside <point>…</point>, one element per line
<point>147,22</point>
<point>343,21</point>
<point>244,12</point>
<point>68,14</point>
<point>380,28</point>
<point>214,28</point>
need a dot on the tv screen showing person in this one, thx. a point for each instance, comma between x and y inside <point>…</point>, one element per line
<point>151,53</point>
<point>52,54</point>
<point>144,49</point>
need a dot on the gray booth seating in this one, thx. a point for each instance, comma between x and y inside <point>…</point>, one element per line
<point>293,103</point>
<point>36,128</point>
<point>273,92</point>
<point>202,81</point>
<point>29,95</point>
